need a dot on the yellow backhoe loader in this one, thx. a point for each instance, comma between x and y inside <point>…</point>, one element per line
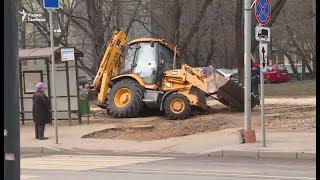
<point>149,75</point>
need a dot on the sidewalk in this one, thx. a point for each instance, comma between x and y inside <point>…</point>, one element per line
<point>205,143</point>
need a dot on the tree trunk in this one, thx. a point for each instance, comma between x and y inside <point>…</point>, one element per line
<point>280,57</point>
<point>291,62</point>
<point>177,16</point>
<point>165,19</point>
<point>23,35</point>
<point>239,38</point>
<point>303,71</point>
<point>22,27</point>
<point>299,51</point>
<point>118,18</point>
<point>195,26</point>
<point>270,53</point>
<point>225,52</point>
<point>96,24</point>
<point>314,53</point>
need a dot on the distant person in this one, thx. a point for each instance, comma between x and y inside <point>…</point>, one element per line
<point>41,111</point>
<point>84,91</point>
<point>255,74</point>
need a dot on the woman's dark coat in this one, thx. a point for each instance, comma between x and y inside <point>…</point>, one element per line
<point>41,109</point>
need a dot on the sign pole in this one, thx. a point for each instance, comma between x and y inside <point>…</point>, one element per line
<point>54,104</point>
<point>263,15</point>
<point>247,65</point>
<point>262,67</point>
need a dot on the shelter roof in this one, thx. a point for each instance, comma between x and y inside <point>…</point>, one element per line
<point>41,53</point>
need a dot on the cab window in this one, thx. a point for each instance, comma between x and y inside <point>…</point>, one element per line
<point>166,55</point>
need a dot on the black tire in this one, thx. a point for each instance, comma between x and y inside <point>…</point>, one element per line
<point>170,114</point>
<point>135,104</point>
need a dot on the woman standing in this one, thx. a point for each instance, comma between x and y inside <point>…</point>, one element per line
<point>41,111</point>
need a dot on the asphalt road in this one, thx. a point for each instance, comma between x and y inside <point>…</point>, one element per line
<point>137,167</point>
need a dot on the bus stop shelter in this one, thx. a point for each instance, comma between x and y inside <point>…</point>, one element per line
<point>35,66</point>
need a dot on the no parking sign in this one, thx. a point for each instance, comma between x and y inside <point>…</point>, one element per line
<point>262,11</point>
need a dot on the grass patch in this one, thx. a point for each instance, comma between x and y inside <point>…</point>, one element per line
<point>305,88</point>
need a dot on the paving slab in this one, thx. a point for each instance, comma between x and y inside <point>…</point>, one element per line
<point>286,155</point>
<point>229,153</point>
<point>303,155</point>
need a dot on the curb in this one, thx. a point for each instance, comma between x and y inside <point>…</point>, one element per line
<point>38,150</point>
<point>222,153</point>
<point>263,154</point>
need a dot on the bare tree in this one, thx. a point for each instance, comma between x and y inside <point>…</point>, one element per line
<point>207,32</point>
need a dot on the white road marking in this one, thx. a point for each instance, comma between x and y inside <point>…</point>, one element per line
<point>83,162</point>
<point>239,175</point>
<point>23,177</point>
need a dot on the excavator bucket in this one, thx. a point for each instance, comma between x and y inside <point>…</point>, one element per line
<point>228,91</point>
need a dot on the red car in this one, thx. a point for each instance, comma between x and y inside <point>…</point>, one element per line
<point>276,74</point>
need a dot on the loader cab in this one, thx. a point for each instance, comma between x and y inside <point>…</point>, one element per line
<point>148,59</point>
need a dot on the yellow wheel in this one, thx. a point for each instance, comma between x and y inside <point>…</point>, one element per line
<point>125,99</point>
<point>122,97</point>
<point>177,105</point>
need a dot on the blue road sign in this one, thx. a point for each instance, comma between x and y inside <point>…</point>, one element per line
<point>263,11</point>
<point>51,4</point>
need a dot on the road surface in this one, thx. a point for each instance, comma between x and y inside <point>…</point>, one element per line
<point>137,167</point>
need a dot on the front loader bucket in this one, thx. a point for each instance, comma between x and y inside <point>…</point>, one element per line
<point>228,91</point>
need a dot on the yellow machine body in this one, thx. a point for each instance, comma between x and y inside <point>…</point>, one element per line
<point>110,64</point>
<point>132,88</point>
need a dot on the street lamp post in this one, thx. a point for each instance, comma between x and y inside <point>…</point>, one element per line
<point>247,65</point>
<point>54,104</point>
<point>11,87</point>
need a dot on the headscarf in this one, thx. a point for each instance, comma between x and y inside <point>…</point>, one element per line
<point>40,86</point>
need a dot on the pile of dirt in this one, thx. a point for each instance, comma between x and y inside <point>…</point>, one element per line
<point>291,116</point>
<point>163,129</point>
<point>278,117</point>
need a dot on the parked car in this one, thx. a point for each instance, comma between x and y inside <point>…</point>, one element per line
<point>276,74</point>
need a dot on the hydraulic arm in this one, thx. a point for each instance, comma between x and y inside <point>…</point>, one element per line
<point>110,65</point>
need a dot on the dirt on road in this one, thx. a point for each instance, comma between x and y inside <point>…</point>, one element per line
<point>282,116</point>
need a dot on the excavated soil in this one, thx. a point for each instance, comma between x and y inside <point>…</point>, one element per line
<point>291,116</point>
<point>278,117</point>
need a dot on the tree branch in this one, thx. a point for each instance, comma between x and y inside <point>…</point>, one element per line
<point>195,26</point>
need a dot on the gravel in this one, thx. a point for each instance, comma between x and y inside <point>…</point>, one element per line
<point>278,116</point>
<point>291,116</point>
